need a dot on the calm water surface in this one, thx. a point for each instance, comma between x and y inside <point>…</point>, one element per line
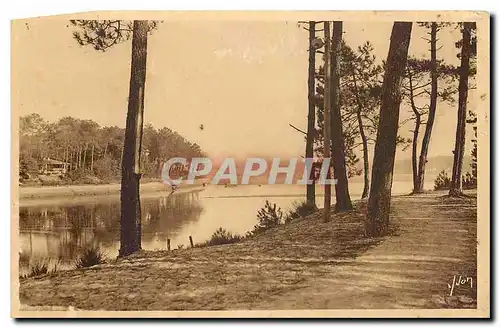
<point>62,230</point>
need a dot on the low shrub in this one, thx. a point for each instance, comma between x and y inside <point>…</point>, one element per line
<point>442,181</point>
<point>268,217</point>
<point>300,210</point>
<point>221,237</point>
<point>90,256</point>
<point>107,168</point>
<point>469,181</point>
<point>90,179</point>
<point>75,176</point>
<point>47,180</point>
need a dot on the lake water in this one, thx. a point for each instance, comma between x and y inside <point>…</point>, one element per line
<point>62,230</point>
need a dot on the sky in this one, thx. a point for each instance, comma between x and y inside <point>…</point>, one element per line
<point>245,81</point>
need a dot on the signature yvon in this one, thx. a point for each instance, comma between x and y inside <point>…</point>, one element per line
<point>460,281</point>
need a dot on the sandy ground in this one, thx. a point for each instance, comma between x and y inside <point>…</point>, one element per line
<point>306,264</point>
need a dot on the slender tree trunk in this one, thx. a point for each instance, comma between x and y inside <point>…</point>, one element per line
<point>432,111</point>
<point>78,159</point>
<point>379,202</point>
<point>130,221</point>
<point>67,165</point>
<point>416,185</point>
<point>418,122</point>
<point>311,115</point>
<point>105,150</point>
<point>364,139</point>
<point>342,197</point>
<point>463,88</point>
<point>85,155</point>
<point>92,159</point>
<point>326,125</point>
<point>366,164</point>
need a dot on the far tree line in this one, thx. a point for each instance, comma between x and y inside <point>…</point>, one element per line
<point>91,149</point>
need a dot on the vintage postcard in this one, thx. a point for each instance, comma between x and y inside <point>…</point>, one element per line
<point>251,164</point>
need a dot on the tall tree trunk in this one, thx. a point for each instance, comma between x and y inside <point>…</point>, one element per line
<point>121,153</point>
<point>326,125</point>
<point>66,159</point>
<point>364,139</point>
<point>416,184</point>
<point>130,220</point>
<point>432,112</point>
<point>379,202</point>
<point>311,115</point>
<point>65,154</point>
<point>79,157</point>
<point>342,197</point>
<point>463,88</point>
<point>418,122</point>
<point>366,164</point>
<point>80,160</point>
<point>92,159</point>
<point>85,155</point>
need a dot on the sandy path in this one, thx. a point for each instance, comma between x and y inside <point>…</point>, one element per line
<point>435,240</point>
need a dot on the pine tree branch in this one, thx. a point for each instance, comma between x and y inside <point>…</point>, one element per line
<point>296,128</point>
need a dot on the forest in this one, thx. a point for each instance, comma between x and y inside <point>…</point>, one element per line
<point>425,83</point>
<point>93,152</point>
<point>354,102</point>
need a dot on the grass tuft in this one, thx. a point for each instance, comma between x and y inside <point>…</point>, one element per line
<point>90,256</point>
<point>41,266</point>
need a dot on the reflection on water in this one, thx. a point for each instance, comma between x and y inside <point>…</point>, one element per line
<point>63,231</point>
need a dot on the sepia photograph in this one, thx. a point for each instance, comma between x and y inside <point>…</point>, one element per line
<point>251,164</point>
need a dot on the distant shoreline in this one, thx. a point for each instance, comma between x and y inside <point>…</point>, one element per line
<point>51,192</point>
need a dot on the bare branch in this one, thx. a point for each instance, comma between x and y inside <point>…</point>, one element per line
<point>296,128</point>
<point>421,93</point>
